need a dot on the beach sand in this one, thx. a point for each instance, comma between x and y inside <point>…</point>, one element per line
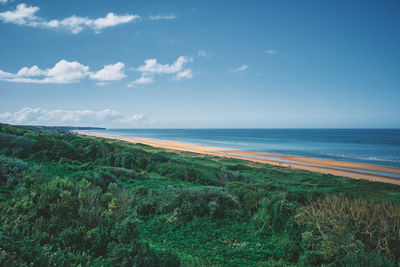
<point>296,162</point>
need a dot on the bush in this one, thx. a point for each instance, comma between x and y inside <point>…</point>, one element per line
<point>342,225</point>
<point>11,171</point>
<point>159,157</point>
<point>18,146</point>
<point>250,195</point>
<point>122,159</point>
<point>54,149</point>
<point>167,259</point>
<point>188,204</point>
<point>274,214</point>
<point>77,217</point>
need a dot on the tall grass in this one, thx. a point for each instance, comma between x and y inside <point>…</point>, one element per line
<point>337,224</point>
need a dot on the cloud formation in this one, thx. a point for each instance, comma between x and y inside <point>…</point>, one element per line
<point>152,68</point>
<point>64,72</point>
<point>162,17</point>
<point>141,80</point>
<point>242,68</point>
<point>112,72</point>
<point>271,52</point>
<point>41,116</point>
<point>185,74</point>
<point>26,15</point>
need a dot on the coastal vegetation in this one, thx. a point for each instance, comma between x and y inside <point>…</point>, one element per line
<point>69,200</point>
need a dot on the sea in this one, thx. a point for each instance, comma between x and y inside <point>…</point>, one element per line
<point>371,146</point>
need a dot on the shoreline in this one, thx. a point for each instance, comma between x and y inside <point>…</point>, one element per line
<point>340,168</point>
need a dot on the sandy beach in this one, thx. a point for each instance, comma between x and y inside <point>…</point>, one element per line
<point>340,168</point>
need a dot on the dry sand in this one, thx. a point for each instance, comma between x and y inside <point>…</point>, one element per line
<point>325,166</point>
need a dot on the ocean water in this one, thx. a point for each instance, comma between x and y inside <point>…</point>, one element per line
<point>372,146</point>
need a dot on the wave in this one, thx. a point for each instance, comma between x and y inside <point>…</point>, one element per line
<point>371,158</point>
<point>221,142</point>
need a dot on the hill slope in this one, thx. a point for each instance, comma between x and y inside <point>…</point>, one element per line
<point>69,200</point>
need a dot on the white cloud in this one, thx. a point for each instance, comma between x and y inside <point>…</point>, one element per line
<point>242,68</point>
<point>141,80</point>
<point>151,68</point>
<point>112,72</point>
<point>132,119</point>
<point>32,71</point>
<point>185,74</point>
<point>25,15</point>
<point>76,24</point>
<point>271,52</point>
<point>6,75</point>
<point>22,15</point>
<point>112,20</point>
<point>64,72</point>
<point>160,17</point>
<point>3,1</point>
<point>40,116</point>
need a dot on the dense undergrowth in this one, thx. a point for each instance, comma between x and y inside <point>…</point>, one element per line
<point>70,200</point>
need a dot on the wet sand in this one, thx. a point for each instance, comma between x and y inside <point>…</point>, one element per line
<point>296,162</point>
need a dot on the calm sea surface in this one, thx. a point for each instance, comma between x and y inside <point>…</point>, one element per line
<point>373,146</point>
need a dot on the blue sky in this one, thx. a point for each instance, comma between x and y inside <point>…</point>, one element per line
<point>195,64</point>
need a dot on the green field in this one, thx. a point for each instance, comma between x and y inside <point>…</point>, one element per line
<point>76,200</point>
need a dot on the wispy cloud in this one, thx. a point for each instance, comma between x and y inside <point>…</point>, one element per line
<point>162,17</point>
<point>41,116</point>
<point>271,52</point>
<point>242,68</point>
<point>64,72</point>
<point>152,68</point>
<point>202,53</point>
<point>140,81</point>
<point>26,15</point>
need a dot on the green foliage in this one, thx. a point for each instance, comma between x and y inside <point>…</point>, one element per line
<point>52,148</point>
<point>341,226</point>
<point>11,171</point>
<point>77,200</point>
<point>75,217</point>
<point>250,194</point>
<point>121,159</point>
<point>17,146</point>
<point>188,204</point>
<point>19,250</point>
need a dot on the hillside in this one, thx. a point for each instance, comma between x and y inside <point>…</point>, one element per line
<point>70,200</point>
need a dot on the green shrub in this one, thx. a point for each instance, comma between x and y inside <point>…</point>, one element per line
<point>123,159</point>
<point>54,149</point>
<point>167,258</point>
<point>188,204</point>
<point>250,195</point>
<point>77,217</point>
<point>11,171</point>
<point>18,146</point>
<point>159,157</point>
<point>342,225</point>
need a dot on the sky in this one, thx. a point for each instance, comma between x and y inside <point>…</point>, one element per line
<point>200,64</point>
